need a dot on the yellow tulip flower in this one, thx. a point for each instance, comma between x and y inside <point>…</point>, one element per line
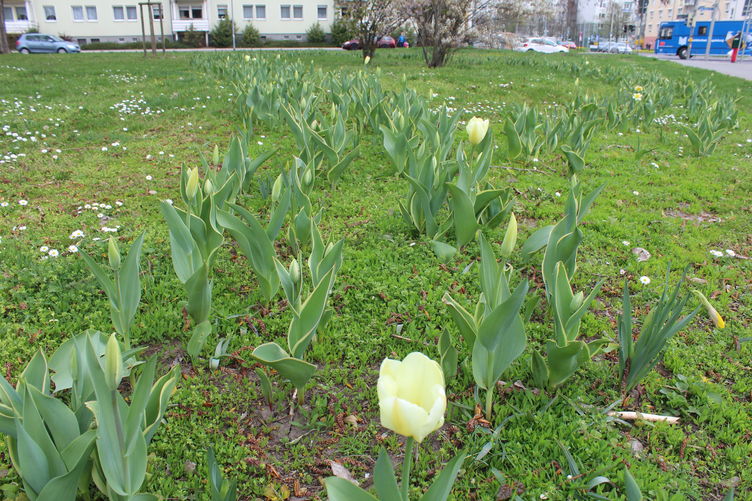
<point>412,397</point>
<point>477,129</point>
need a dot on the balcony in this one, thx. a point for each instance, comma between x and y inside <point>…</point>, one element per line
<point>185,24</point>
<point>18,26</point>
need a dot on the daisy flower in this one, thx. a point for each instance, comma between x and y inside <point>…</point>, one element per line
<point>644,280</point>
<point>149,178</point>
<point>53,253</point>
<point>72,249</point>
<point>23,202</point>
<point>44,248</point>
<point>76,234</point>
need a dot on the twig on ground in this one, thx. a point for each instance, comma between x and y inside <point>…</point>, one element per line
<point>632,416</point>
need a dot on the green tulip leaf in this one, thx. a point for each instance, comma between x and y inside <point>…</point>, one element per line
<point>297,371</point>
<point>339,489</point>
<point>442,485</point>
<point>384,479</point>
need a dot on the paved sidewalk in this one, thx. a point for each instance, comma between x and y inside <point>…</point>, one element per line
<point>741,69</point>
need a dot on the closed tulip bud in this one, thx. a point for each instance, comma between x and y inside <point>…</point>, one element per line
<point>208,187</point>
<point>191,187</point>
<point>366,60</point>
<point>308,177</point>
<point>247,58</point>
<point>113,254</point>
<point>295,271</point>
<point>277,188</point>
<point>477,129</point>
<point>214,362</point>
<point>215,155</point>
<point>315,124</point>
<point>510,237</point>
<point>577,300</point>
<point>412,398</point>
<point>712,313</point>
<point>113,363</point>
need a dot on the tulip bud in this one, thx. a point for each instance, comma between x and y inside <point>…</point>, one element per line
<point>215,155</point>
<point>214,362</point>
<point>366,60</point>
<point>712,313</point>
<point>510,237</point>
<point>477,129</point>
<point>295,271</point>
<point>113,363</point>
<point>113,254</point>
<point>308,177</point>
<point>277,188</point>
<point>208,187</point>
<point>577,300</point>
<point>315,124</point>
<point>412,398</point>
<point>191,187</point>
<point>247,58</point>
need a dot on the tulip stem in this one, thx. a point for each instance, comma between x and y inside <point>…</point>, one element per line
<point>489,402</point>
<point>407,463</point>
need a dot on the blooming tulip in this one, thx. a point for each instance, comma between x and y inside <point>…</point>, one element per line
<point>411,393</point>
<point>712,313</point>
<point>477,129</point>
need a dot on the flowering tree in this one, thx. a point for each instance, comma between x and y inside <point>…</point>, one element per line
<point>370,20</point>
<point>443,25</point>
<point>3,35</point>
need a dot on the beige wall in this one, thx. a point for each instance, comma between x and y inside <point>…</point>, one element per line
<point>659,12</point>
<point>102,19</point>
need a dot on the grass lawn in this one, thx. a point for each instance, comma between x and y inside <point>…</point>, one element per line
<point>116,129</point>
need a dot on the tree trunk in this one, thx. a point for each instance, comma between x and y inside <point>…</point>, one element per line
<point>4,49</point>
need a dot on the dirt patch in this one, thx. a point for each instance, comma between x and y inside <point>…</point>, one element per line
<point>702,217</point>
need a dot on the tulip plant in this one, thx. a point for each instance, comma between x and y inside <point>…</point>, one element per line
<point>412,402</point>
<point>638,357</point>
<point>308,315</point>
<point>124,288</point>
<point>56,447</point>
<point>494,334</point>
<point>195,237</point>
<point>220,488</point>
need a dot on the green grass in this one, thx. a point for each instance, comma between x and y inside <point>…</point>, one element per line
<point>389,277</point>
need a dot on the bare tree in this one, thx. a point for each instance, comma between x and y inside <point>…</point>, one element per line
<point>444,25</point>
<point>4,49</point>
<point>370,20</point>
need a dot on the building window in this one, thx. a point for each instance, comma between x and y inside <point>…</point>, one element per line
<point>261,12</point>
<point>21,14</point>
<point>222,11</point>
<point>78,13</point>
<point>81,41</point>
<point>156,12</point>
<point>95,40</point>
<point>248,12</point>
<point>297,11</point>
<point>702,30</point>
<point>190,12</point>
<point>91,12</point>
<point>321,12</point>
<point>49,13</point>
<point>284,11</point>
<point>131,14</point>
<point>118,13</point>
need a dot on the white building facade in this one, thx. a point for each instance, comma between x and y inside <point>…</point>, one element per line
<point>87,21</point>
<point>660,11</point>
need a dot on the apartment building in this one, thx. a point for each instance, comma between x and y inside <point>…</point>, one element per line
<point>120,20</point>
<point>660,11</point>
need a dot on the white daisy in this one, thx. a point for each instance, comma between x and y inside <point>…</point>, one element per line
<point>625,243</point>
<point>44,248</point>
<point>23,202</point>
<point>149,178</point>
<point>72,249</point>
<point>76,234</point>
<point>730,253</point>
<point>716,253</point>
<point>644,280</point>
<point>3,204</point>
<point>53,253</point>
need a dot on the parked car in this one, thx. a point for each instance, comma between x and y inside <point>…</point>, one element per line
<point>620,48</point>
<point>39,43</point>
<point>353,44</point>
<point>601,46</point>
<point>540,45</point>
<point>568,44</point>
<point>387,43</point>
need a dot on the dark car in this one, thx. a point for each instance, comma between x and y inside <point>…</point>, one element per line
<point>353,44</point>
<point>39,43</point>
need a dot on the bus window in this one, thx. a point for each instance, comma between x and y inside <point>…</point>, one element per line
<point>666,33</point>
<point>702,30</point>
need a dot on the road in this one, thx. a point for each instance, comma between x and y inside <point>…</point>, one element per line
<point>741,69</point>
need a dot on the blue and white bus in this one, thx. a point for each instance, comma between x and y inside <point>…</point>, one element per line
<point>674,38</point>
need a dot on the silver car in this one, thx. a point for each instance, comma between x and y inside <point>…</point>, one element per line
<point>620,48</point>
<point>39,43</point>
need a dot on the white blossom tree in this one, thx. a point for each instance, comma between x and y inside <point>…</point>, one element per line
<point>370,20</point>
